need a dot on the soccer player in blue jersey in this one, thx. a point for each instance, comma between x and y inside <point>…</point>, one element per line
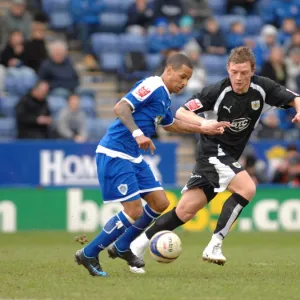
<point>123,174</point>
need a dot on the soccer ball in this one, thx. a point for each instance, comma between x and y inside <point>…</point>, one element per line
<point>165,246</point>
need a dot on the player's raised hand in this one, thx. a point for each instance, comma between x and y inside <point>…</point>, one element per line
<point>145,143</point>
<point>296,119</point>
<point>213,127</point>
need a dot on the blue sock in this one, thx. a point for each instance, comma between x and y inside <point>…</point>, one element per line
<point>123,243</point>
<point>110,232</point>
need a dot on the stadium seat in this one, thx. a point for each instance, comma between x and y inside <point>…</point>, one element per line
<point>87,104</point>
<point>218,7</point>
<point>60,20</point>
<point>214,64</point>
<point>115,6</point>
<point>132,42</point>
<point>211,79</point>
<point>153,60</point>
<point>110,62</point>
<point>104,42</point>
<point>7,128</point>
<point>50,6</point>
<point>97,128</point>
<point>112,22</point>
<point>18,81</point>
<point>226,21</point>
<point>8,105</point>
<point>253,25</point>
<point>85,92</point>
<point>56,104</point>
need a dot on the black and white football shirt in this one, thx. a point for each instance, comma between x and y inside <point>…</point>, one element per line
<point>218,101</point>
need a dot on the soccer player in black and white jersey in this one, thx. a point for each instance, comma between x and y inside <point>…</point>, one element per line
<point>240,98</point>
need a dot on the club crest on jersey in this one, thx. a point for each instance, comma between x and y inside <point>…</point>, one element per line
<point>158,120</point>
<point>194,104</point>
<point>123,188</point>
<point>255,104</point>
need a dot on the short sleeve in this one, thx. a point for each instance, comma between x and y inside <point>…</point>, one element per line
<point>203,101</point>
<point>138,96</point>
<point>277,95</point>
<point>168,119</point>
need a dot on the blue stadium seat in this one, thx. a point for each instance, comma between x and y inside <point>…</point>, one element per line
<point>86,92</point>
<point>153,60</point>
<point>104,42</point>
<point>110,62</point>
<point>50,6</point>
<point>18,81</point>
<point>112,22</point>
<point>218,7</point>
<point>114,6</point>
<point>56,103</point>
<point>87,104</point>
<point>214,64</point>
<point>8,105</point>
<point>226,21</point>
<point>178,101</point>
<point>133,42</point>
<point>253,25</point>
<point>211,79</point>
<point>7,128</point>
<point>97,128</point>
<point>61,20</point>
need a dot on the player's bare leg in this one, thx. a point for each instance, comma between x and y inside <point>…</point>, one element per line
<point>191,202</point>
<point>243,190</point>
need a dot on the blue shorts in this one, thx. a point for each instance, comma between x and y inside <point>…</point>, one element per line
<point>122,180</point>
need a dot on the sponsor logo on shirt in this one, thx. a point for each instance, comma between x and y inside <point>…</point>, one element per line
<point>240,124</point>
<point>194,104</point>
<point>143,91</point>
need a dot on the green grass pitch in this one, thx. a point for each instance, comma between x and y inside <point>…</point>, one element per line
<point>35,265</point>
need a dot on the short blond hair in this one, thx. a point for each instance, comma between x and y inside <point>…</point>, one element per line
<point>241,55</point>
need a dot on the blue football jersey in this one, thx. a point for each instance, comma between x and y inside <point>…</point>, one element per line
<point>150,100</point>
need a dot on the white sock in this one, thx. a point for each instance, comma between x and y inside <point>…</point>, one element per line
<point>140,244</point>
<point>216,239</point>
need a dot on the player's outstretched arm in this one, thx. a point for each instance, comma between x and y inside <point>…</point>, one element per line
<point>123,111</point>
<point>207,127</point>
<point>296,104</point>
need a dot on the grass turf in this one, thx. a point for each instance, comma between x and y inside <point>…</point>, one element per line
<point>35,265</point>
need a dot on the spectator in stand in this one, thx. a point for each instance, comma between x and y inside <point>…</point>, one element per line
<point>236,36</point>
<point>17,19</point>
<point>293,68</point>
<point>269,126</point>
<point>286,31</point>
<point>140,13</point>
<point>71,122</point>
<point>198,79</point>
<point>267,40</point>
<point>288,172</point>
<point>172,10</point>
<point>35,51</point>
<point>175,38</point>
<point>275,67</point>
<point>240,6</point>
<point>186,26</point>
<point>199,10</point>
<point>277,11</point>
<point>158,41</point>
<point>33,115</point>
<point>58,70</point>
<point>85,14</point>
<point>294,42</point>
<point>13,54</point>
<point>211,39</point>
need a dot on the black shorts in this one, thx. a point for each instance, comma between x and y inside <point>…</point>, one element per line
<point>213,174</point>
